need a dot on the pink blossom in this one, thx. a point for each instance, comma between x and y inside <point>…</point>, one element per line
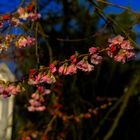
<point>41,89</point>
<point>31,108</point>
<point>32,72</point>
<point>52,68</point>
<point>21,10</point>
<point>111,50</point>
<point>96,59</point>
<point>38,77</point>
<point>37,100</point>
<point>124,55</point>
<point>7,90</point>
<point>62,70</point>
<point>24,16</point>
<point>35,105</point>
<point>35,96</point>
<point>116,40</point>
<point>12,89</point>
<point>25,41</point>
<point>5,94</point>
<point>92,50</point>
<point>34,102</point>
<point>34,16</point>
<point>21,42</point>
<point>22,13</point>
<point>32,81</point>
<point>71,69</point>
<point>40,108</point>
<point>84,66</point>
<point>46,92</point>
<point>50,79</point>
<point>120,58</point>
<point>130,54</point>
<point>73,59</point>
<point>42,78</point>
<point>30,41</point>
<point>126,45</point>
<point>120,49</point>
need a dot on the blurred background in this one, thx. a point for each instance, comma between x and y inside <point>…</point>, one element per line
<point>100,105</point>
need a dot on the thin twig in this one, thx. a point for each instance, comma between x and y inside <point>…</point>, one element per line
<point>36,46</point>
<point>50,124</point>
<point>106,117</point>
<point>112,4</point>
<point>45,37</point>
<point>74,40</point>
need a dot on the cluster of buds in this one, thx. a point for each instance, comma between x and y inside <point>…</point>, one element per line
<point>11,89</point>
<point>14,20</point>
<point>22,14</point>
<point>28,13</point>
<point>67,68</point>
<point>6,41</point>
<point>120,49</point>
<point>21,41</point>
<point>83,64</point>
<point>37,99</point>
<point>36,78</point>
<point>56,110</point>
<point>24,41</point>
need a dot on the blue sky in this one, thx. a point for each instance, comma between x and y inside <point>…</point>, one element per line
<point>10,5</point>
<point>133,4</point>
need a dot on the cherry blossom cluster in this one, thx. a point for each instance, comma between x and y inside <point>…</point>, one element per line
<point>20,16</point>
<point>5,42</point>
<point>28,13</point>
<point>56,110</point>
<point>85,64</point>
<point>47,75</point>
<point>21,41</point>
<point>36,77</point>
<point>24,41</point>
<point>120,50</point>
<point>11,89</point>
<point>37,99</point>
<point>11,20</point>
